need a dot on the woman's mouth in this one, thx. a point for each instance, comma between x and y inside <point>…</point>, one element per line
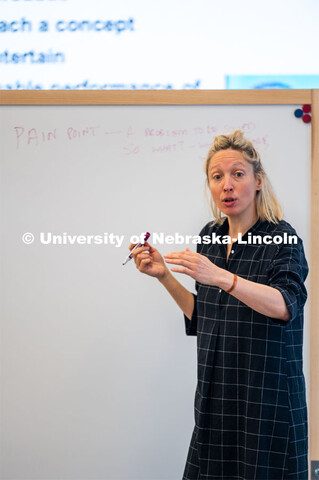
<point>229,201</point>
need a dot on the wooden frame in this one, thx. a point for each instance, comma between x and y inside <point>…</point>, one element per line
<point>219,97</point>
<point>155,97</point>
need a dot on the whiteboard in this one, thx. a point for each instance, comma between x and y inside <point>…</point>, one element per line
<point>98,376</point>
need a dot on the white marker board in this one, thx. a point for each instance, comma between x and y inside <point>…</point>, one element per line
<point>98,377</point>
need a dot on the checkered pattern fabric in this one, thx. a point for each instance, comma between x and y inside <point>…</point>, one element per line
<point>250,407</point>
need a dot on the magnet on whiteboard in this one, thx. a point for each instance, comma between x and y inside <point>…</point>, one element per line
<point>306,118</point>
<point>298,113</point>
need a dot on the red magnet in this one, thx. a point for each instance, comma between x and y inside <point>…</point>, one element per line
<point>306,118</point>
<point>306,108</point>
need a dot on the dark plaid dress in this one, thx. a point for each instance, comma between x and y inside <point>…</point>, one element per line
<point>250,406</point>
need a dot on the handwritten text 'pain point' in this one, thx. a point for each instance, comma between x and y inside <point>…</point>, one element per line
<point>34,136</point>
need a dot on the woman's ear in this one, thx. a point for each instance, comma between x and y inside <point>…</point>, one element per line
<point>258,183</point>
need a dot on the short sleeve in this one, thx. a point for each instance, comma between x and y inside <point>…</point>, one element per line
<point>287,273</point>
<point>191,324</point>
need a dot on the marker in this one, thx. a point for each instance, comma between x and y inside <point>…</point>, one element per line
<point>130,256</point>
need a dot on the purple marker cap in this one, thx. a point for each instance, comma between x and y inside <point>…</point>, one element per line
<point>147,236</point>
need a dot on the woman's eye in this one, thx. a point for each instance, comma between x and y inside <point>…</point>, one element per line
<point>216,177</point>
<point>239,174</point>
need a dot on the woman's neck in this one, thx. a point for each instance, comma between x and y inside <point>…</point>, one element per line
<point>240,225</point>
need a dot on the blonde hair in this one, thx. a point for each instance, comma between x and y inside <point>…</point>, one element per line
<point>267,205</point>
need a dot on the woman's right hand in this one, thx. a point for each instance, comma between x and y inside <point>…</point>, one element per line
<point>148,260</point>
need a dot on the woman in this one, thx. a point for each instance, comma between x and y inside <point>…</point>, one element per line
<point>250,407</point>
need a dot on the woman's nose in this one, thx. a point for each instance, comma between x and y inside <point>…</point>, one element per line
<point>228,186</point>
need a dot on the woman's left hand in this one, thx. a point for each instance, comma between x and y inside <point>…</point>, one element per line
<point>197,266</point>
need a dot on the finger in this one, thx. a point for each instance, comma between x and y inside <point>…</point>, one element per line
<point>146,246</point>
<point>140,257</point>
<point>183,262</point>
<point>144,264</point>
<point>185,271</point>
<point>139,250</point>
<point>151,249</point>
<point>145,261</point>
<point>143,255</point>
<point>182,254</point>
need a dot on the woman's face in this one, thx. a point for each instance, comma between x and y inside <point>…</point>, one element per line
<point>233,184</point>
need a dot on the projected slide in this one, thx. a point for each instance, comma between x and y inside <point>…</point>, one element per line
<point>138,44</point>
